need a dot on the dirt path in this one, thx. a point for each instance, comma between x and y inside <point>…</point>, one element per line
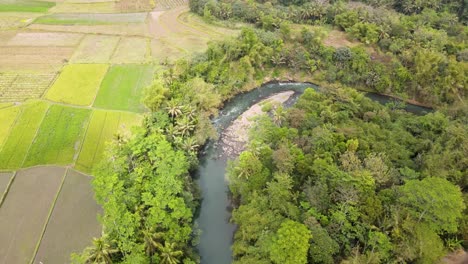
<point>236,135</point>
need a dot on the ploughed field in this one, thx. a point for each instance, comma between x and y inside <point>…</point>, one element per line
<point>72,75</point>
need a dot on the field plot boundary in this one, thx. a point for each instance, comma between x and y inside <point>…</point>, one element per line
<point>62,135</point>
<point>31,194</point>
<point>36,123</point>
<point>35,136</point>
<point>51,209</point>
<point>70,84</point>
<point>7,189</point>
<point>71,233</point>
<point>7,135</point>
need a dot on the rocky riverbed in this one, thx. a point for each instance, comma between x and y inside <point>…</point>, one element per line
<point>234,137</point>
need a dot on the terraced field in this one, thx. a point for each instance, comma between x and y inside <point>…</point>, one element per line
<point>72,74</point>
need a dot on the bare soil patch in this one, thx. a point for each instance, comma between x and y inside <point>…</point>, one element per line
<point>25,211</point>
<point>338,39</point>
<point>16,87</point>
<point>95,49</point>
<point>73,222</point>
<point>134,29</point>
<point>46,39</point>
<point>131,50</point>
<point>34,58</point>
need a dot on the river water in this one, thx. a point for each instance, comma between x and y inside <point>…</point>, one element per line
<point>217,232</point>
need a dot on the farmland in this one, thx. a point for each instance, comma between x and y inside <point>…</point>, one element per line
<point>22,134</point>
<point>131,50</point>
<point>72,75</point>
<point>122,87</point>
<point>95,49</point>
<point>7,119</point>
<point>52,195</point>
<point>102,128</point>
<point>32,193</point>
<point>65,232</point>
<point>25,6</point>
<point>77,84</point>
<point>59,136</point>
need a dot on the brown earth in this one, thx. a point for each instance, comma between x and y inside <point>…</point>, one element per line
<point>73,222</point>
<point>25,210</point>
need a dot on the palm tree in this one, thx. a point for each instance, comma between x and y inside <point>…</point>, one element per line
<point>100,252</point>
<point>169,255</point>
<point>190,144</point>
<point>278,115</point>
<point>173,108</point>
<point>185,126</point>
<point>190,112</point>
<point>151,240</point>
<point>172,131</point>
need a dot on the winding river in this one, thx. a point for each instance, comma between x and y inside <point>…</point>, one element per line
<point>217,232</point>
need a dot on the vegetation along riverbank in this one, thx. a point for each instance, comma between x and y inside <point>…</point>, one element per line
<point>335,179</point>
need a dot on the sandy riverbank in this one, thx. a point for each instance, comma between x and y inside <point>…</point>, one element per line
<point>234,137</point>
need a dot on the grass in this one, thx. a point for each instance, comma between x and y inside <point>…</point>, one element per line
<point>101,130</point>
<point>66,230</point>
<point>25,6</point>
<point>59,137</point>
<point>22,134</point>
<point>122,87</point>
<point>7,119</point>
<point>25,210</point>
<point>77,84</point>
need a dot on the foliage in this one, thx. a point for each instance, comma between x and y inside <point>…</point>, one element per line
<point>417,53</point>
<point>350,173</point>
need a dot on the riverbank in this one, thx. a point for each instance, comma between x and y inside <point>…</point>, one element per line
<point>234,137</point>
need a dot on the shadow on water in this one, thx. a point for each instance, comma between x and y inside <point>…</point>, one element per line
<point>215,211</point>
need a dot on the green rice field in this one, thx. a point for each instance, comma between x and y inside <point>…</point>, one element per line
<point>59,136</point>
<point>122,87</point>
<point>25,6</point>
<point>7,119</point>
<point>77,84</point>
<point>22,134</point>
<point>102,128</point>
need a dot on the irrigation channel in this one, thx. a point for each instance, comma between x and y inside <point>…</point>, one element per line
<point>217,231</point>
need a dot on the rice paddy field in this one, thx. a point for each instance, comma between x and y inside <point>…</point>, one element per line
<point>77,84</point>
<point>122,87</point>
<point>72,74</point>
<point>103,127</point>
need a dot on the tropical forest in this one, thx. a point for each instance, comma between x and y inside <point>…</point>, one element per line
<point>234,131</point>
